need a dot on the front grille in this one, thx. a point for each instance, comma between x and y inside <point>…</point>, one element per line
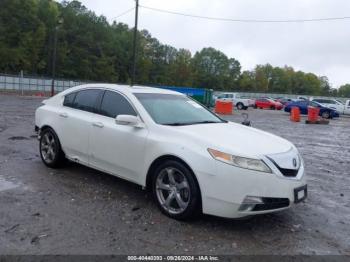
<point>286,172</point>
<point>271,203</point>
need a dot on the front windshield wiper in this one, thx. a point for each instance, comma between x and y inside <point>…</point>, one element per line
<point>192,123</point>
<point>208,122</point>
<point>177,124</point>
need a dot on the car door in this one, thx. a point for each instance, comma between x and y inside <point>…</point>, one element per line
<point>303,106</point>
<point>265,103</point>
<point>117,149</point>
<point>347,107</point>
<point>75,123</point>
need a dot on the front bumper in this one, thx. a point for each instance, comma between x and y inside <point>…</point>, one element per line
<point>224,193</point>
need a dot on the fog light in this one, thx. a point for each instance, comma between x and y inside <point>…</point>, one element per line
<point>249,203</point>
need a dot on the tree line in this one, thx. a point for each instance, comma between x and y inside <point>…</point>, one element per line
<point>90,48</point>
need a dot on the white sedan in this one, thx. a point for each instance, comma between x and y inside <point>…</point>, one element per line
<point>193,161</point>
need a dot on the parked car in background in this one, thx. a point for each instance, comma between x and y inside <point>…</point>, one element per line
<point>325,112</point>
<point>334,104</point>
<point>240,103</point>
<point>251,100</point>
<point>265,103</point>
<point>283,100</point>
<point>304,98</point>
<point>190,159</point>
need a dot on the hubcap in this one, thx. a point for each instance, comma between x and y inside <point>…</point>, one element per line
<point>173,190</point>
<point>48,147</point>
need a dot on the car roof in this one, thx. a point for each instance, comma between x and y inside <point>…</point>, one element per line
<point>125,89</point>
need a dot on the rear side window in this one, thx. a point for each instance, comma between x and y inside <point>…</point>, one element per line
<point>114,104</point>
<point>86,100</point>
<point>69,99</point>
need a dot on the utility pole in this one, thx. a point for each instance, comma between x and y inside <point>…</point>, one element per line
<point>54,53</point>
<point>134,54</point>
<point>54,62</point>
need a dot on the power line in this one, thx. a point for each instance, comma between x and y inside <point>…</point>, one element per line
<point>124,13</point>
<point>246,20</point>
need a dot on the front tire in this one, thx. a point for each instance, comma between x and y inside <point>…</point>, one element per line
<point>176,191</point>
<point>326,115</point>
<point>50,149</point>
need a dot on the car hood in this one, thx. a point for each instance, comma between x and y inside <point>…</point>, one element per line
<point>238,139</point>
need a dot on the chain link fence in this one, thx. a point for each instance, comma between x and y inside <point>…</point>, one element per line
<point>34,83</point>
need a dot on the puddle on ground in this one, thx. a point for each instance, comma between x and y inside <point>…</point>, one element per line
<point>6,185</point>
<point>18,138</point>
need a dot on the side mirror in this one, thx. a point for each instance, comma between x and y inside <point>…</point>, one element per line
<point>129,120</point>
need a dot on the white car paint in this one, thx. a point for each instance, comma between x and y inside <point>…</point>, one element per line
<point>128,151</point>
<point>235,99</point>
<point>347,107</point>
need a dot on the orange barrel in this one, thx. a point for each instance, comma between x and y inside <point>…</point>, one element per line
<point>295,114</point>
<point>312,113</point>
<point>224,107</point>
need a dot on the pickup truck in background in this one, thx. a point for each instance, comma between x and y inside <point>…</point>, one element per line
<point>343,109</point>
<point>240,103</point>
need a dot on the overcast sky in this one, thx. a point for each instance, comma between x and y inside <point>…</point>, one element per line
<point>319,47</point>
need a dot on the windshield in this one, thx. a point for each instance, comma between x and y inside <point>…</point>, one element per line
<point>168,109</point>
<point>340,102</point>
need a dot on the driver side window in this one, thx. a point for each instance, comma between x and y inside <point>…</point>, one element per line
<point>114,104</point>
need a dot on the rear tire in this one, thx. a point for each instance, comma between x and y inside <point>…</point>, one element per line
<point>176,191</point>
<point>240,106</point>
<point>50,149</point>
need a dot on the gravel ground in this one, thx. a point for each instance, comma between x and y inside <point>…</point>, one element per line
<point>77,210</point>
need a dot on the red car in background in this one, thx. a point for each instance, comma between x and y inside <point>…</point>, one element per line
<point>263,103</point>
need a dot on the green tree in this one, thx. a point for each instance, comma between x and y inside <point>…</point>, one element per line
<point>344,90</point>
<point>22,36</point>
<point>213,69</point>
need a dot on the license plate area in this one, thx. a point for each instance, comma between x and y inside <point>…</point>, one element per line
<point>300,194</point>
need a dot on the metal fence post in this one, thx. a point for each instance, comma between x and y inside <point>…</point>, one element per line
<point>21,82</point>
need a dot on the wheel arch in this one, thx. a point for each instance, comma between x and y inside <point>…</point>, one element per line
<point>47,126</point>
<point>160,160</point>
<point>44,127</point>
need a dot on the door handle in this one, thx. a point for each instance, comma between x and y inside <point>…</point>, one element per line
<point>64,115</point>
<point>98,124</point>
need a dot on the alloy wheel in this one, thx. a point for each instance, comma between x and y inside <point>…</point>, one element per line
<point>173,190</point>
<point>48,147</point>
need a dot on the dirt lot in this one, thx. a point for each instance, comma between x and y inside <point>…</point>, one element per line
<point>77,210</point>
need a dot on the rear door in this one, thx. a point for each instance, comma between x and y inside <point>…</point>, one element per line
<point>117,149</point>
<point>74,128</point>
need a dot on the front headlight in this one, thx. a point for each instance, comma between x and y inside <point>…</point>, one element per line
<point>242,162</point>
